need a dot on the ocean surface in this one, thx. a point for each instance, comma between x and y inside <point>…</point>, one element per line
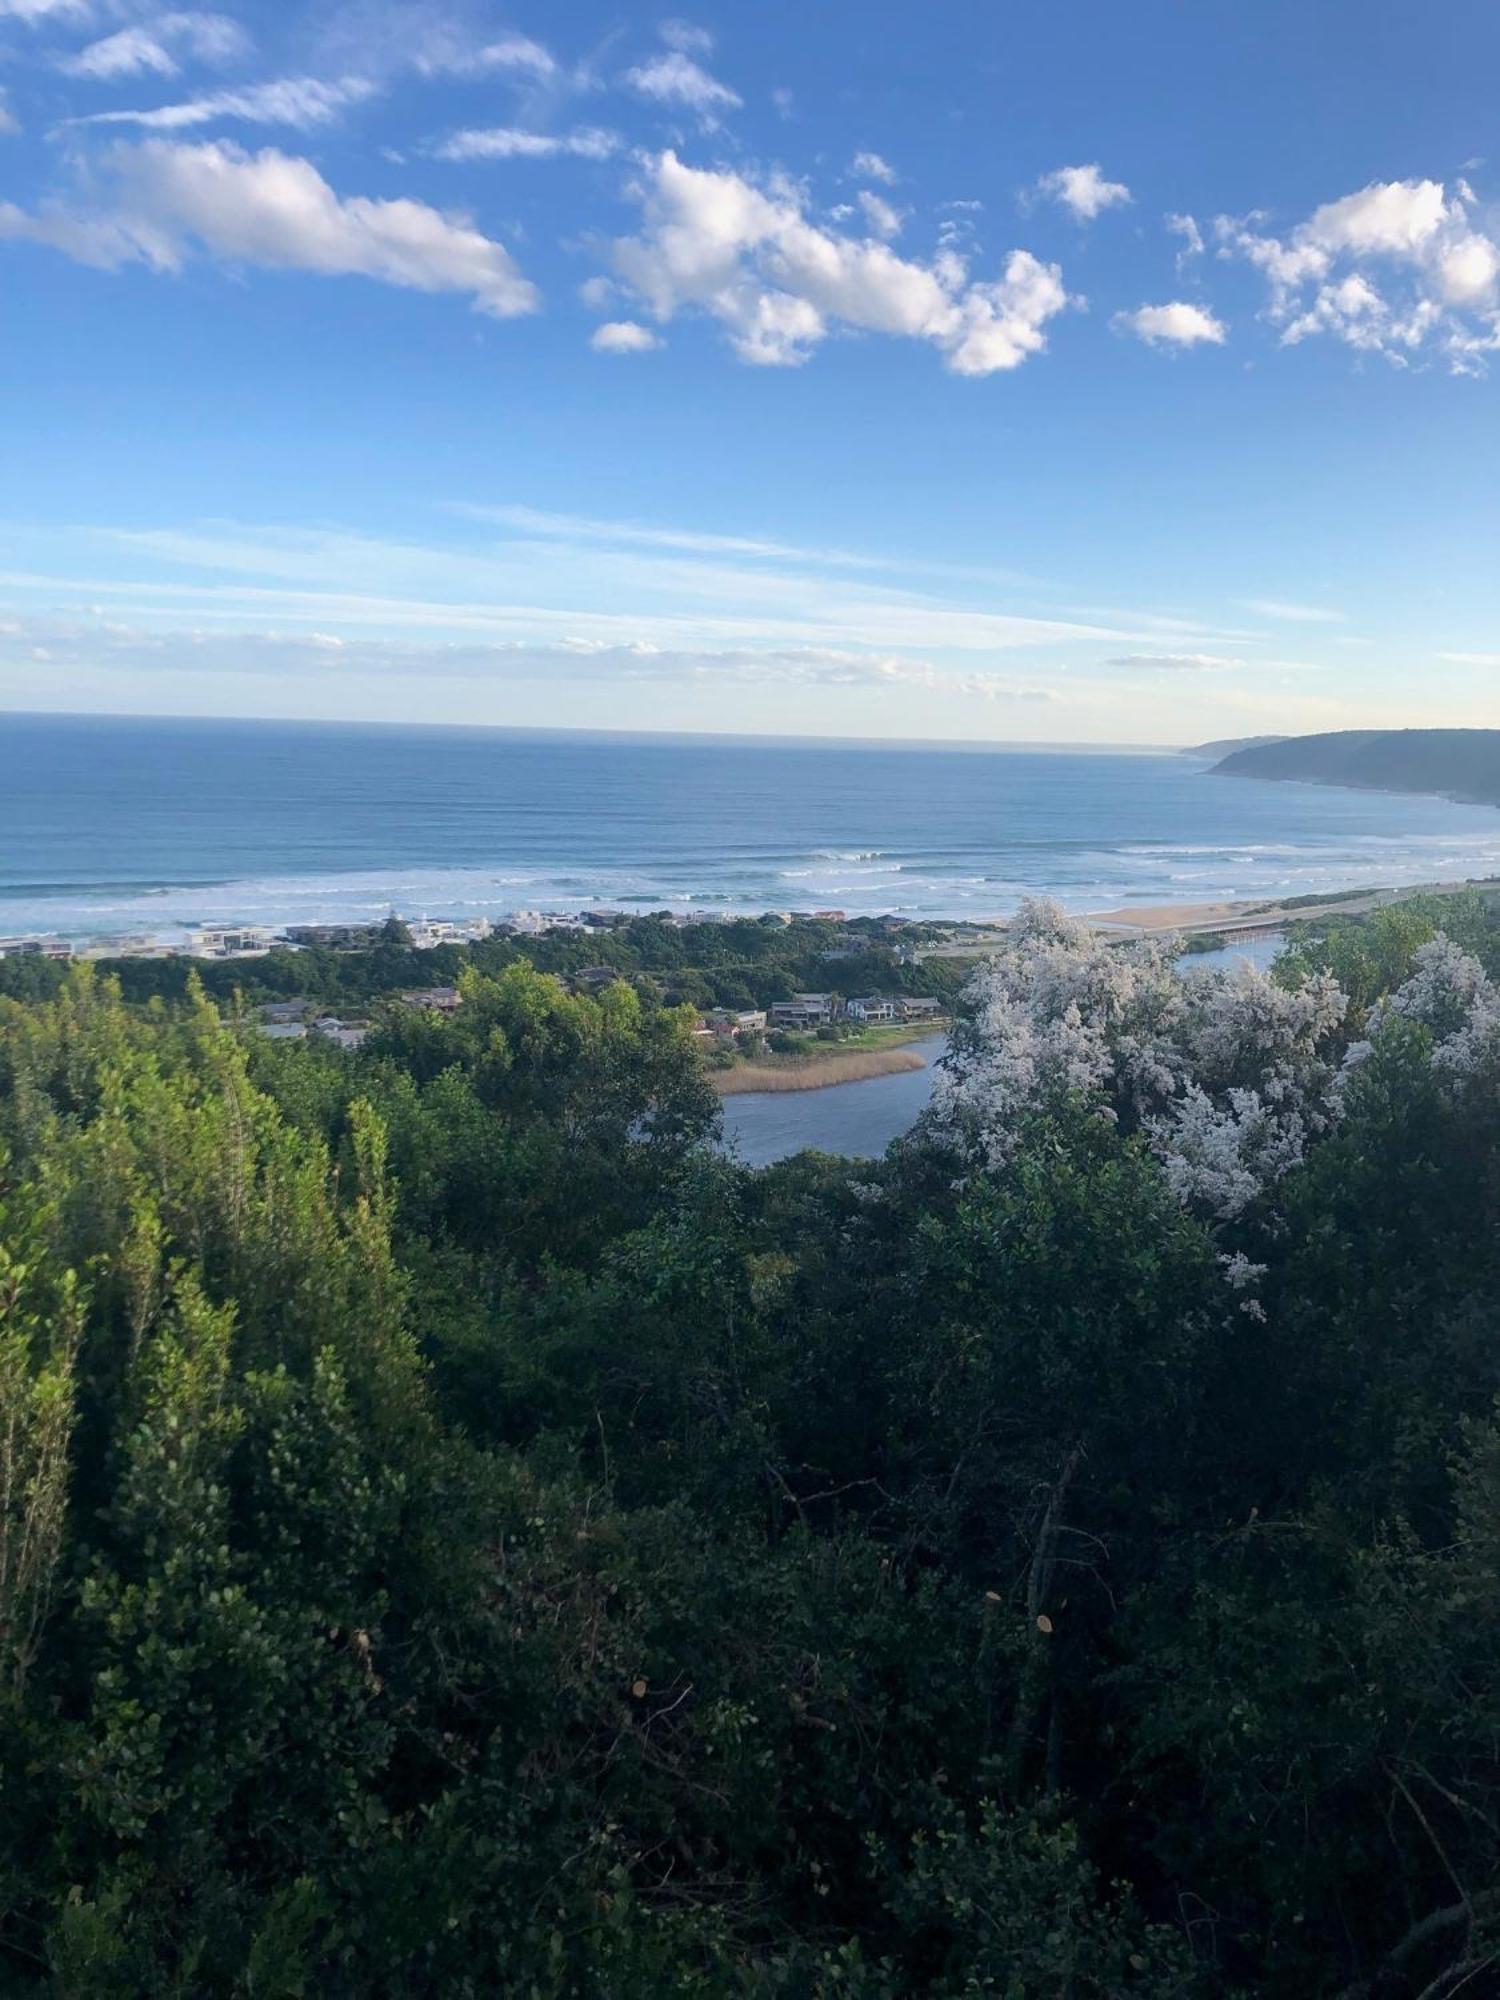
<point>112,824</point>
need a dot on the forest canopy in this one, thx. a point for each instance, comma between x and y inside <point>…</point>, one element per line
<point>462,1533</point>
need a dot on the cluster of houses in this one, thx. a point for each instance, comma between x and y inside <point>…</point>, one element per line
<point>223,941</point>
<point>821,1010</point>
<point>35,947</point>
<point>295,1020</point>
<point>228,941</point>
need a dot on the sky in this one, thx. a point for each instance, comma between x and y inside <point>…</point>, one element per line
<point>1053,370</point>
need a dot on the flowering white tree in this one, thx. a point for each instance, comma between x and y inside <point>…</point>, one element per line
<point>1451,995</point>
<point>1227,1074</point>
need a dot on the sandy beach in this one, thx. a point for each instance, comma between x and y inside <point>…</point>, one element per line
<point>1246,914</point>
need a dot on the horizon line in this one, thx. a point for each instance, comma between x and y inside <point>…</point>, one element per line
<point>770,739</point>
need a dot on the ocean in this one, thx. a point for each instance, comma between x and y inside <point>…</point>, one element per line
<point>112,824</point>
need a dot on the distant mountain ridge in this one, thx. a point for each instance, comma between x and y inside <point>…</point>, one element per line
<point>1456,763</point>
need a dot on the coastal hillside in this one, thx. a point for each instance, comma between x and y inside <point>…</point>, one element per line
<point>1224,745</point>
<point>1460,763</point>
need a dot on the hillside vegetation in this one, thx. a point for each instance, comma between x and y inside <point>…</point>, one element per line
<point>1459,763</point>
<point>462,1535</point>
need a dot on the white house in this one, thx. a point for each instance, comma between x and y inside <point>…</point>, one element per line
<point>230,941</point>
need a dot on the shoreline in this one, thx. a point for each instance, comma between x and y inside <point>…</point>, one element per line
<point>1242,915</point>
<point>816,1072</point>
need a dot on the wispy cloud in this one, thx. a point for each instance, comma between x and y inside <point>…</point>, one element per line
<point>442,49</point>
<point>871,167</point>
<point>158,46</point>
<point>1290,614</point>
<point>96,641</point>
<point>664,587</point>
<point>1193,663</point>
<point>302,102</point>
<point>510,142</point>
<point>1186,227</point>
<point>35,11</point>
<point>675,79</point>
<point>687,36</point>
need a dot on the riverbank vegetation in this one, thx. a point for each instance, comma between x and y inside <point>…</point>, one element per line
<point>460,1534</point>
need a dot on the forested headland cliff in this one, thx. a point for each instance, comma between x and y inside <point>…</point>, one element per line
<point>1458,763</point>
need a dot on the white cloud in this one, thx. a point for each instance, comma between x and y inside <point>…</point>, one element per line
<point>1291,614</point>
<point>695,541</point>
<point>1083,190</point>
<point>1392,269</point>
<point>442,48</point>
<point>623,336</point>
<point>1187,228</point>
<point>509,142</point>
<point>750,257</point>
<point>686,36</point>
<point>276,211</point>
<point>1467,269</point>
<point>879,214</point>
<point>1391,217</point>
<point>670,586</point>
<point>302,102</point>
<point>676,79</point>
<point>8,120</point>
<point>1471,659</point>
<point>870,167</point>
<point>90,640</point>
<point>155,47</point>
<point>1178,324</point>
<point>33,11</point>
<point>516,52</point>
<point>1201,663</point>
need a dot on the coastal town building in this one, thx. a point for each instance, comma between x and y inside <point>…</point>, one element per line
<point>728,1021</point>
<point>872,1007</point>
<point>231,941</point>
<point>427,933</point>
<point>35,947</point>
<point>805,1010</point>
<point>343,1034</point>
<point>332,937</point>
<point>135,944</point>
<point>435,999</point>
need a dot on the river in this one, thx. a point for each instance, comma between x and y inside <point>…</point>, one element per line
<point>857,1119</point>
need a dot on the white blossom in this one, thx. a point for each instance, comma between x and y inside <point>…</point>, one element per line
<point>1227,1074</point>
<point>1451,995</point>
<point>1446,986</point>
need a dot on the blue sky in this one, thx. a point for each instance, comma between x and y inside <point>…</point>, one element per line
<point>1041,372</point>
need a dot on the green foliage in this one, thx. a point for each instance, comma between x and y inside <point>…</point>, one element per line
<point>460,1534</point>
